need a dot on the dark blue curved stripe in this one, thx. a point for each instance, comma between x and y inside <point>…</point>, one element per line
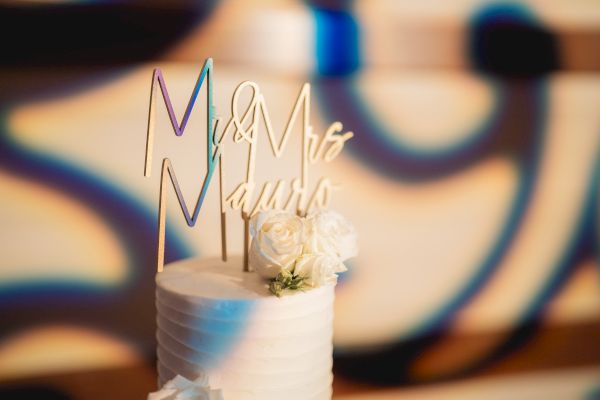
<point>380,150</point>
<point>529,167</point>
<point>338,56</point>
<point>580,247</point>
<point>83,303</point>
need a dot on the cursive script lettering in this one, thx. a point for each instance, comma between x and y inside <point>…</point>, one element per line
<point>242,128</point>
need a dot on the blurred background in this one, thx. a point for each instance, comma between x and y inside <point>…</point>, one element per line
<point>473,179</point>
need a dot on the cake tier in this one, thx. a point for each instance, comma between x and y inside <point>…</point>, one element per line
<point>216,320</point>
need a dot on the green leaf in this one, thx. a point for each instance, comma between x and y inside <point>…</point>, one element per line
<point>285,280</point>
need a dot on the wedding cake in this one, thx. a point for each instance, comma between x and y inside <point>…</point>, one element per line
<point>228,334</point>
<point>225,332</point>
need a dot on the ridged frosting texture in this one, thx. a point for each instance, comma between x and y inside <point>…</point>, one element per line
<point>216,320</point>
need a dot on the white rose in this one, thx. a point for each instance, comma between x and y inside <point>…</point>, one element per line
<point>180,388</point>
<point>277,241</point>
<point>318,269</point>
<point>330,233</point>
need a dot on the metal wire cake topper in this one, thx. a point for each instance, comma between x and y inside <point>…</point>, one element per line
<point>244,128</point>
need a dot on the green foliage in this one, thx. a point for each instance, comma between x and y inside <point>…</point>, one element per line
<point>285,280</point>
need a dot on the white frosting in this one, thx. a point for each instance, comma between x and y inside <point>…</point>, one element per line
<point>217,321</point>
<point>180,388</point>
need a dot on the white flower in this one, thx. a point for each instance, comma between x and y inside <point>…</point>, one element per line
<point>318,269</point>
<point>180,388</point>
<point>330,233</point>
<point>277,242</point>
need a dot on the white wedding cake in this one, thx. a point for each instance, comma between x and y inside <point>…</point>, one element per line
<point>218,322</point>
<point>228,334</point>
<point>224,333</point>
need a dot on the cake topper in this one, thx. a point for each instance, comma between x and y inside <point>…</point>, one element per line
<point>244,128</point>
